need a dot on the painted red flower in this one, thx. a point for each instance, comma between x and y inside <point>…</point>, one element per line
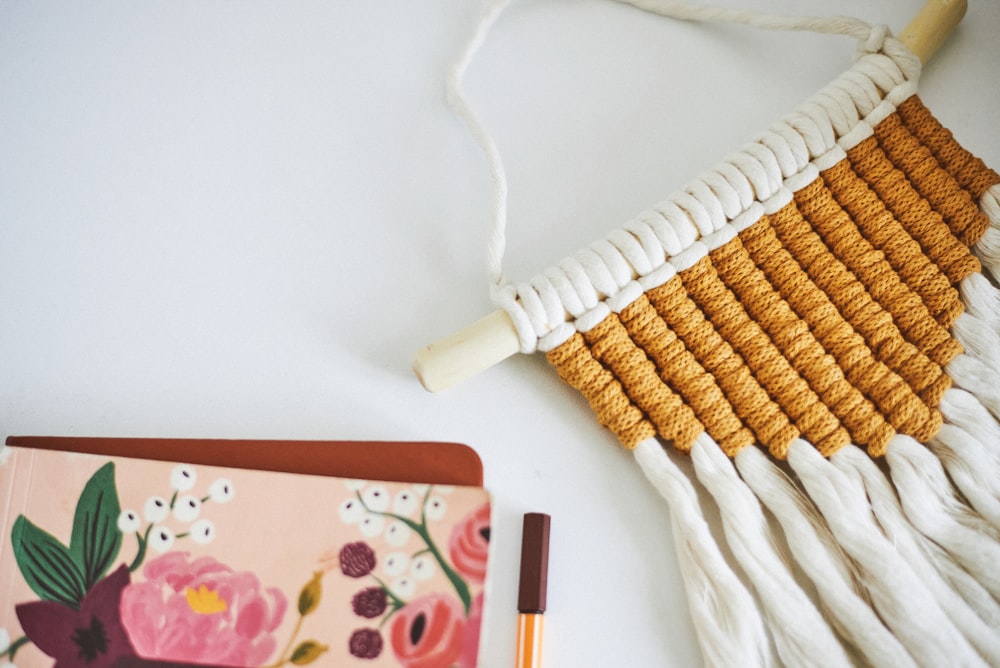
<point>91,637</point>
<point>201,611</point>
<point>469,657</point>
<point>469,544</point>
<point>428,632</point>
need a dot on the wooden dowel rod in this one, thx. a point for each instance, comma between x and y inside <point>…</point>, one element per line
<point>467,352</point>
<point>932,26</point>
<point>493,339</point>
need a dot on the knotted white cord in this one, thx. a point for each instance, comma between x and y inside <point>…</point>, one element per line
<point>540,308</point>
<point>497,240</point>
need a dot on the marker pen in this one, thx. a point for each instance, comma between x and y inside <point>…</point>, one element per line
<point>531,589</point>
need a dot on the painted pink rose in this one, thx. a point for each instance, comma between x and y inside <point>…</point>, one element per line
<point>201,611</point>
<point>470,639</point>
<point>469,544</point>
<point>428,632</point>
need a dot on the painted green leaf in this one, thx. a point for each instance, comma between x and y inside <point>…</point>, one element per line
<point>310,595</point>
<point>96,539</point>
<point>307,652</point>
<point>46,564</point>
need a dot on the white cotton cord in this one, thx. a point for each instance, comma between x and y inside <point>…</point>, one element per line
<point>456,98</point>
<point>685,11</point>
<point>981,299</point>
<point>978,379</point>
<point>706,205</point>
<point>726,618</point>
<point>932,505</point>
<point>966,603</point>
<point>801,635</point>
<point>965,410</point>
<point>820,557</point>
<point>961,445</point>
<point>902,600</point>
<point>978,339</point>
<point>970,467</point>
<point>988,248</point>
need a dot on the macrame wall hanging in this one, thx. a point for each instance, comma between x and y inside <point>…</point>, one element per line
<point>816,321</point>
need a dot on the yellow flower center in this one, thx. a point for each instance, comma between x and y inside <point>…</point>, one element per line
<point>205,601</point>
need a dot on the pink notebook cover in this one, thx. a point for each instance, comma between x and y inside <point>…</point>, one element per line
<point>115,561</point>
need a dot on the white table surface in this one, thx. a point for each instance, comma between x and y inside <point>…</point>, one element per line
<point>241,220</point>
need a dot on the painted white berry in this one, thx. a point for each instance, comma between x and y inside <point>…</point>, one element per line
<point>406,502</point>
<point>187,508</point>
<point>156,509</point>
<point>221,490</point>
<point>435,508</point>
<point>203,531</point>
<point>423,567</point>
<point>404,587</point>
<point>395,563</point>
<point>128,522</point>
<point>397,534</point>
<point>183,477</point>
<point>161,538</point>
<point>351,511</point>
<point>377,498</point>
<point>372,525</point>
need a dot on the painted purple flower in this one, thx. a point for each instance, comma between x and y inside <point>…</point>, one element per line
<point>365,643</point>
<point>370,602</point>
<point>357,559</point>
<point>91,637</point>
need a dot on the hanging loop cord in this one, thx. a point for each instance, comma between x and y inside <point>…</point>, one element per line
<point>871,39</point>
<point>497,242</point>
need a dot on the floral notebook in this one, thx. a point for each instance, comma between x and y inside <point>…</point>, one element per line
<point>116,561</point>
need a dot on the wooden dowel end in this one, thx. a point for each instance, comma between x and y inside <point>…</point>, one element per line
<point>932,26</point>
<point>467,352</point>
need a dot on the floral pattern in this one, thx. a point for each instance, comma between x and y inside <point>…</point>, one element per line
<point>431,630</point>
<point>201,610</point>
<point>91,635</point>
<point>123,589</point>
<point>469,545</point>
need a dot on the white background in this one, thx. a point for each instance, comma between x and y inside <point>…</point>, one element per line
<point>241,220</point>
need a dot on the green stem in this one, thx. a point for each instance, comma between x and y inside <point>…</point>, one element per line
<point>397,602</point>
<point>140,555</point>
<point>282,658</point>
<point>456,580</point>
<point>14,646</point>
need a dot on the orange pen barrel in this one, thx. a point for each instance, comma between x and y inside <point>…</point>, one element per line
<point>529,640</point>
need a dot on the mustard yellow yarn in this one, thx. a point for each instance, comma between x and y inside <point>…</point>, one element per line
<point>826,320</point>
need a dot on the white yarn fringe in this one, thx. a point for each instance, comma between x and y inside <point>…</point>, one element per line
<point>962,446</point>
<point>902,584</point>
<point>965,410</point>
<point>931,504</point>
<point>988,248</point>
<point>899,596</point>
<point>978,339</point>
<point>978,379</point>
<point>972,609</point>
<point>981,299</point>
<point>801,636</point>
<point>822,560</point>
<point>727,620</point>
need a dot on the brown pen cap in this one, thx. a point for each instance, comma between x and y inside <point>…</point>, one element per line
<point>534,563</point>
